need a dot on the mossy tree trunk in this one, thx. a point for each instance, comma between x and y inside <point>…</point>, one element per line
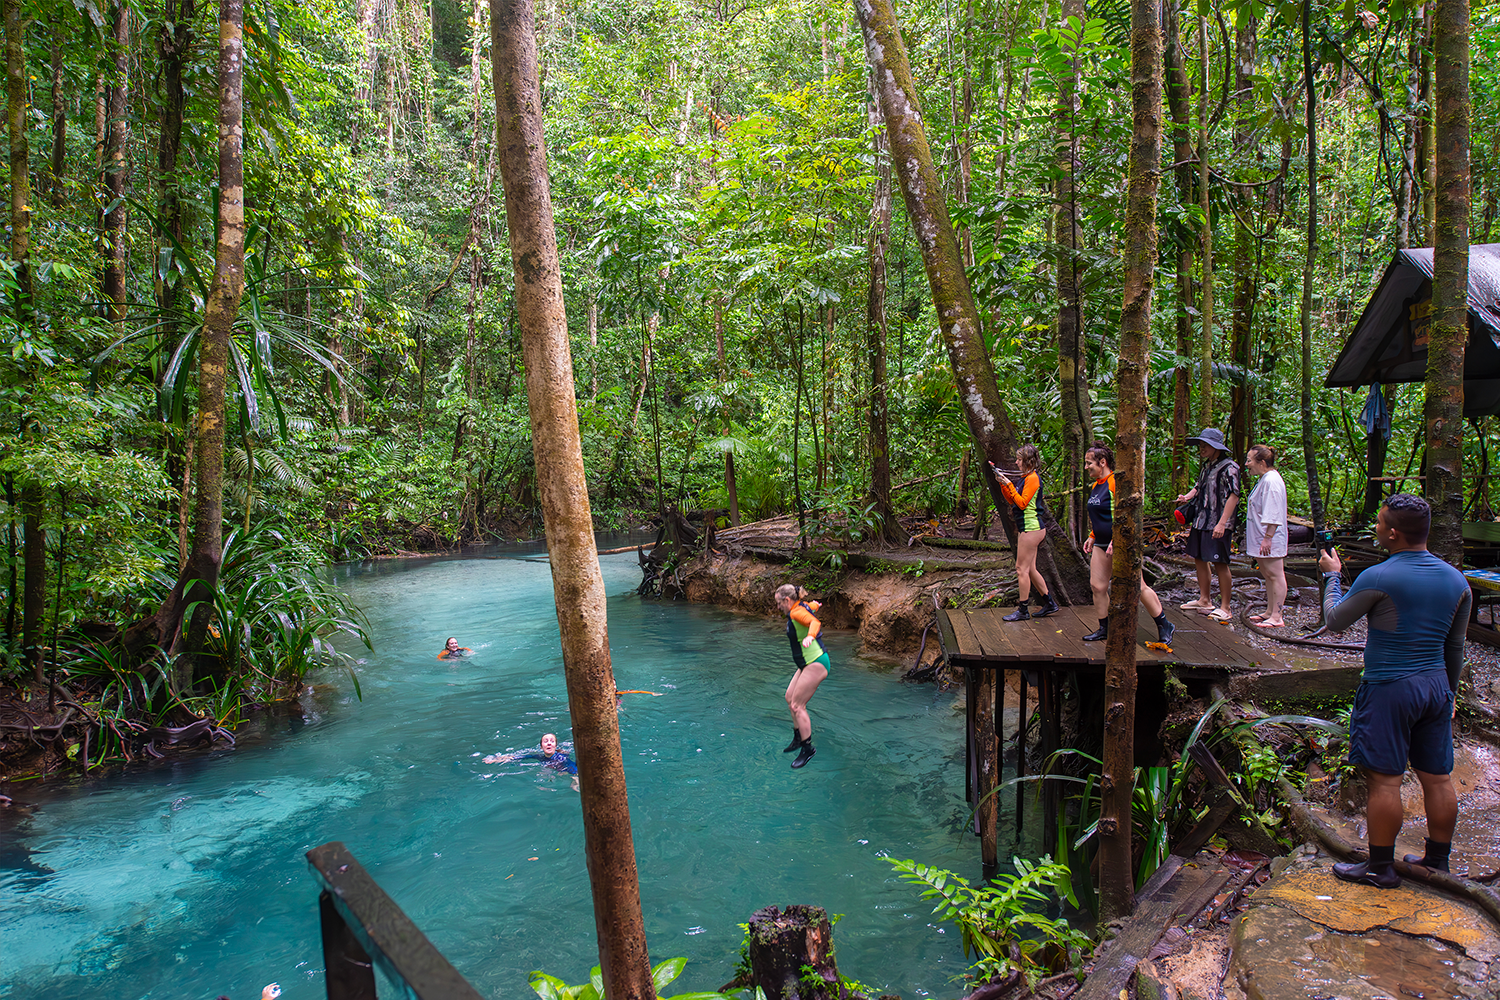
<point>1444,401</point>
<point>200,578</point>
<point>989,422</point>
<point>1116,873</point>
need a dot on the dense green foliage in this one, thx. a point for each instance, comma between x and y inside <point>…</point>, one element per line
<point>712,175</point>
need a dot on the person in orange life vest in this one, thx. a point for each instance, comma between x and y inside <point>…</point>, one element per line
<point>811,660</point>
<point>1029,533</point>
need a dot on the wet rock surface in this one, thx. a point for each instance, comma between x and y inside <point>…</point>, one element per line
<point>1308,935</point>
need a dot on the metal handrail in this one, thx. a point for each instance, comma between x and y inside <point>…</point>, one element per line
<point>361,922</point>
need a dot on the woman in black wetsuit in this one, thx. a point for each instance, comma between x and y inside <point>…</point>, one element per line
<point>1099,462</point>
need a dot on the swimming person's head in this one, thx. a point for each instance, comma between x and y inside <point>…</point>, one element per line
<point>549,743</point>
<point>788,594</point>
<point>452,644</point>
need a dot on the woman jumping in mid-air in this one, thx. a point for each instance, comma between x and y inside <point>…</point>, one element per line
<point>1029,533</point>
<point>811,660</point>
<point>1099,462</point>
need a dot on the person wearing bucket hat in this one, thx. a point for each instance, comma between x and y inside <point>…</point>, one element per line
<point>1217,494</point>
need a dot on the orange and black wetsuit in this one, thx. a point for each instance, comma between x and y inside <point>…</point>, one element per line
<point>1028,501</point>
<point>1101,510</point>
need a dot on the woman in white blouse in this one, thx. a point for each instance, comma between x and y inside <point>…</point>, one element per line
<point>1265,531</point>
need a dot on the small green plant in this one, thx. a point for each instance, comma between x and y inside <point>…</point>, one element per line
<point>551,988</point>
<point>1000,926</point>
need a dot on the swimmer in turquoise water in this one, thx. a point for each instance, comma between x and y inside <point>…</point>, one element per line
<point>550,756</point>
<point>453,651</point>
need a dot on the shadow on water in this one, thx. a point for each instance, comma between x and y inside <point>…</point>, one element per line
<point>186,878</point>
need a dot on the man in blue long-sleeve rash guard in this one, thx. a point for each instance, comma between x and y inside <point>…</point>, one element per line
<point>1418,610</point>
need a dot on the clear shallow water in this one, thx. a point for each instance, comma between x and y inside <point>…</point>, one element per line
<point>187,879</point>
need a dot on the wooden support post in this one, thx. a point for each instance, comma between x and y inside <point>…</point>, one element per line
<point>1023,729</point>
<point>989,768</point>
<point>971,770</point>
<point>348,973</point>
<point>1050,706</point>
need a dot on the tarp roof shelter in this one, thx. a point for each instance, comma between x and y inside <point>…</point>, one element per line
<point>1389,343</point>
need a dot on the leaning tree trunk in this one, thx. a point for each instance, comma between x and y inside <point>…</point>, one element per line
<point>576,580</point>
<point>989,423</point>
<point>200,577</point>
<point>876,329</point>
<point>34,556</point>
<point>1116,874</point>
<point>112,219</point>
<point>1444,402</point>
<point>1309,437</point>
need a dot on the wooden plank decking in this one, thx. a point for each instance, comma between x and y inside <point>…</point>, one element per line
<point>982,639</point>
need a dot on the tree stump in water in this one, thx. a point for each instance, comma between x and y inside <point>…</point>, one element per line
<point>791,954</point>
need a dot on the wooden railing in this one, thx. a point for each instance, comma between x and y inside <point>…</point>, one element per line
<point>363,927</point>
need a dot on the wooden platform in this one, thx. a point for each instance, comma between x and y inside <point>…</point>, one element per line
<point>1045,651</point>
<point>983,639</point>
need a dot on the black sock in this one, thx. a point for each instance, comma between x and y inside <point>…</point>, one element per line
<point>1436,854</point>
<point>1382,858</point>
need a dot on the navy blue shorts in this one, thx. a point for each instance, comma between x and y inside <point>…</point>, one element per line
<point>1406,719</point>
<point>1203,546</point>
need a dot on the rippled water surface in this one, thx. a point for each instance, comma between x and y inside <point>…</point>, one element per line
<point>187,878</point>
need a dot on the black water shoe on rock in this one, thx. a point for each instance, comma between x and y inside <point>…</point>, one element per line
<point>1360,873</point>
<point>806,754</point>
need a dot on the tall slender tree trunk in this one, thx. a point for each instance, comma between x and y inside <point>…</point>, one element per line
<point>1428,146</point>
<point>1072,373</point>
<point>1206,312</point>
<point>1444,401</point>
<point>876,329</point>
<point>113,217</point>
<point>59,161</point>
<point>174,43</point>
<point>988,420</point>
<point>1309,437</point>
<point>576,580</point>
<point>1242,403</point>
<point>1178,96</point>
<point>1116,785</point>
<point>200,579</point>
<point>33,500</point>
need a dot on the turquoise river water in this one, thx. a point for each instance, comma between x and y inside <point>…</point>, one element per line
<point>186,878</point>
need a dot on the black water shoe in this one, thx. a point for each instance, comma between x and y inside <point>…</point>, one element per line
<point>1361,873</point>
<point>1099,634</point>
<point>1434,856</point>
<point>1049,608</point>
<point>806,754</point>
<point>1021,614</point>
<point>1164,630</point>
<point>796,741</point>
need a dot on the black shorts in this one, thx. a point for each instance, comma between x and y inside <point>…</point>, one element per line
<point>1406,719</point>
<point>1203,546</point>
